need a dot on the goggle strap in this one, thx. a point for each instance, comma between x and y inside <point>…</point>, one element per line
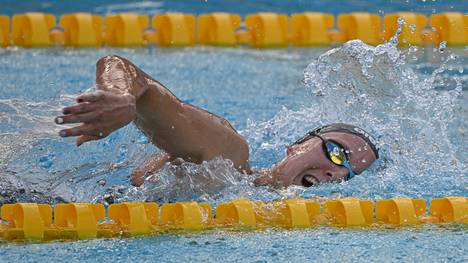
<point>347,165</point>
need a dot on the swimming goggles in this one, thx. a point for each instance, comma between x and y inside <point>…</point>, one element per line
<point>333,150</point>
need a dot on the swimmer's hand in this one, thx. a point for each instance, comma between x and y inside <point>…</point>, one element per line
<point>100,113</point>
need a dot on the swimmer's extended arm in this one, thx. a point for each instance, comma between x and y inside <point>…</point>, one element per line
<point>126,93</point>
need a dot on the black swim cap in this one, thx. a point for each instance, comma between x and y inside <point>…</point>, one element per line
<point>351,129</point>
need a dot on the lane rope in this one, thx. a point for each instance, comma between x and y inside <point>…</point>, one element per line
<point>258,30</point>
<point>31,221</point>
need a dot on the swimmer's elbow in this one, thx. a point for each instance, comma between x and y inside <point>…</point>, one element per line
<point>241,158</point>
<point>103,60</point>
<point>136,180</point>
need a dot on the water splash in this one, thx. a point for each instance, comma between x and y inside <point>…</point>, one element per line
<point>211,181</point>
<point>372,87</point>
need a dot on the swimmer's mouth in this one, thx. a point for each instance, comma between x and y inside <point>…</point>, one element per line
<point>309,180</point>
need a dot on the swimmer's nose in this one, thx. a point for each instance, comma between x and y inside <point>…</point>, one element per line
<point>330,175</point>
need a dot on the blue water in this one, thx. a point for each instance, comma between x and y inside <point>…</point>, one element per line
<point>314,245</point>
<point>413,100</point>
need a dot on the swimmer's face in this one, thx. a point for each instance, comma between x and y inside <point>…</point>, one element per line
<point>306,163</point>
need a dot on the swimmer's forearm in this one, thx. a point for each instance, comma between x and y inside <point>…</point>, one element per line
<point>180,129</point>
<point>156,163</point>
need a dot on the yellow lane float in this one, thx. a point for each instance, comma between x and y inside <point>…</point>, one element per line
<point>218,29</point>
<point>411,30</point>
<point>175,29</point>
<point>133,218</point>
<point>79,220</point>
<point>309,29</point>
<point>268,29</point>
<point>400,211</point>
<point>29,221</point>
<point>82,30</point>
<point>450,209</point>
<point>450,27</point>
<point>126,29</point>
<point>186,215</point>
<point>32,29</point>
<point>292,213</point>
<point>259,30</point>
<point>4,31</point>
<point>364,26</point>
<point>240,212</point>
<point>350,212</point>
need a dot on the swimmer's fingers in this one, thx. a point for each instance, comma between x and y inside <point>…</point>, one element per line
<point>77,118</point>
<point>177,161</point>
<point>91,96</point>
<point>85,129</point>
<point>86,138</point>
<point>79,108</point>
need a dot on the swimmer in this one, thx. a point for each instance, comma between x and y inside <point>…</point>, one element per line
<point>184,132</point>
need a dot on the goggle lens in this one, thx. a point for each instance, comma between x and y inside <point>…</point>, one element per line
<point>336,159</point>
<point>336,154</point>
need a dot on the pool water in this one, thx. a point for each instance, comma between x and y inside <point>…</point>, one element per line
<point>433,244</point>
<point>413,100</point>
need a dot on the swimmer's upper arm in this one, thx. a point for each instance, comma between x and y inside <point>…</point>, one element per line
<point>180,129</point>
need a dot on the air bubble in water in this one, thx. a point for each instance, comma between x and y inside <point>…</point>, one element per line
<point>413,28</point>
<point>102,182</point>
<point>442,46</point>
<point>123,150</point>
<point>46,161</point>
<point>142,139</point>
<point>400,20</point>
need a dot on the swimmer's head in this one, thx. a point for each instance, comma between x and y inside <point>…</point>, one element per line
<point>331,153</point>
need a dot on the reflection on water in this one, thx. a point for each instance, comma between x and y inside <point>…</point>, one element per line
<point>416,117</point>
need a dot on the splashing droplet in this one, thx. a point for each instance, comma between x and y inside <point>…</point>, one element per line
<point>400,20</point>
<point>442,46</point>
<point>102,182</point>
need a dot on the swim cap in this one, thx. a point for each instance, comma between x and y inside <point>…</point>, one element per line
<point>351,129</point>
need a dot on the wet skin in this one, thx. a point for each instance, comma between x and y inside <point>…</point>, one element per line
<point>185,132</point>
